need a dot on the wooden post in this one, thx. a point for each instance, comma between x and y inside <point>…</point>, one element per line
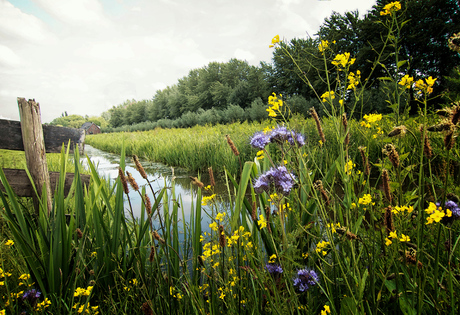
<point>34,148</point>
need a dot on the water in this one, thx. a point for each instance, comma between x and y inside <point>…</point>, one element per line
<point>159,176</point>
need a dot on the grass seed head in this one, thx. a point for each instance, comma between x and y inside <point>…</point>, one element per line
<point>398,131</point>
<point>196,182</point>
<point>123,180</point>
<point>313,114</point>
<point>211,177</point>
<point>392,154</point>
<point>139,167</point>
<point>132,181</point>
<point>232,146</point>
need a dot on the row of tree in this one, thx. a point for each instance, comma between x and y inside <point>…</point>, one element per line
<point>235,89</point>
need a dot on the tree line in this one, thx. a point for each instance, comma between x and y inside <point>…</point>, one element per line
<point>224,92</point>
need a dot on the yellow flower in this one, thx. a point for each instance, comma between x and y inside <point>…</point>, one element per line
<point>372,118</point>
<point>262,222</point>
<point>206,199</point>
<point>24,276</point>
<point>393,234</point>
<point>388,242</point>
<point>220,216</point>
<point>323,45</point>
<point>327,95</point>
<point>391,7</point>
<point>425,86</point>
<point>327,310</point>
<point>275,40</point>
<point>343,60</point>
<point>349,167</point>
<point>260,155</point>
<point>9,243</point>
<point>406,81</point>
<point>214,226</point>
<point>272,259</point>
<point>404,238</point>
<point>353,80</point>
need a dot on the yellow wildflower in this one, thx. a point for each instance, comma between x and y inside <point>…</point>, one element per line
<point>327,310</point>
<point>275,40</point>
<point>365,200</point>
<point>393,234</point>
<point>220,216</point>
<point>262,222</point>
<point>404,238</point>
<point>343,60</point>
<point>349,167</point>
<point>207,199</point>
<point>323,45</point>
<point>388,242</point>
<point>214,226</point>
<point>9,243</point>
<point>406,81</point>
<point>391,7</point>
<point>328,95</point>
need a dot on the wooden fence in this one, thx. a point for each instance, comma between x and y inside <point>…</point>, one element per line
<point>35,140</point>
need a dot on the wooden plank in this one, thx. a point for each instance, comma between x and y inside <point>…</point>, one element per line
<point>11,137</point>
<point>21,185</point>
<point>34,148</point>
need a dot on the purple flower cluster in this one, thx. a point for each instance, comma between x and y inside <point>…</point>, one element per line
<point>452,206</point>
<point>274,269</point>
<point>31,296</point>
<point>305,279</point>
<point>278,135</point>
<point>279,176</point>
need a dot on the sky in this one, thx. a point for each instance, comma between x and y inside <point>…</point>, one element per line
<point>85,56</point>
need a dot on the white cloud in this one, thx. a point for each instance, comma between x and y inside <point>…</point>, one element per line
<point>244,55</point>
<point>8,57</point>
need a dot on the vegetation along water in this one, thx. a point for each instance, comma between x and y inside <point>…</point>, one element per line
<point>347,209</point>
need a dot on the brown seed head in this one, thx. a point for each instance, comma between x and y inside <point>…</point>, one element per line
<point>222,240</point>
<point>158,237</point>
<point>392,154</point>
<point>139,167</point>
<point>152,253</point>
<point>146,309</point>
<point>454,42</point>
<point>446,125</point>
<point>232,145</point>
<point>367,169</point>
<point>211,177</point>
<point>196,182</point>
<point>398,131</point>
<point>254,211</point>
<point>449,140</point>
<point>314,115</point>
<point>132,181</point>
<point>427,147</point>
<point>455,113</point>
<point>386,185</point>
<point>79,233</point>
<point>123,180</point>
<point>148,204</point>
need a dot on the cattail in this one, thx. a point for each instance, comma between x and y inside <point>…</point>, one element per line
<point>388,220</point>
<point>386,185</point>
<point>232,145</point>
<point>146,309</point>
<point>367,169</point>
<point>455,113</point>
<point>152,253</point>
<point>397,131</point>
<point>254,212</point>
<point>211,177</point>
<point>318,185</point>
<point>148,204</point>
<point>267,217</point>
<point>139,167</point>
<point>132,181</point>
<point>158,237</point>
<point>392,154</point>
<point>446,125</point>
<point>79,233</point>
<point>427,147</point>
<point>313,114</point>
<point>196,181</point>
<point>449,140</point>
<point>222,240</point>
<point>345,127</point>
<point>123,181</point>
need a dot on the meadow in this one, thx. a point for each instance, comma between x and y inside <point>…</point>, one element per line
<point>348,213</point>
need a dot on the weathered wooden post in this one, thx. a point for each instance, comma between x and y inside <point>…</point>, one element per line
<point>34,148</point>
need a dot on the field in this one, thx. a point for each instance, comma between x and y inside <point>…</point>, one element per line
<point>348,213</point>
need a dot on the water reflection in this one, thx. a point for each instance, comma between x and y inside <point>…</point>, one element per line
<point>159,176</point>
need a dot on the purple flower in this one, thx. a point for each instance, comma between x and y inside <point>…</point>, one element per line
<point>259,140</point>
<point>279,134</point>
<point>31,296</point>
<point>452,206</point>
<point>282,180</point>
<point>274,269</point>
<point>297,139</point>
<point>305,279</point>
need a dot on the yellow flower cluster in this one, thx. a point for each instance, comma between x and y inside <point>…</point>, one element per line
<point>321,246</point>
<point>275,40</point>
<point>9,243</point>
<point>333,227</point>
<point>343,60</point>
<point>425,86</point>
<point>42,305</point>
<point>394,235</point>
<point>177,295</point>
<point>275,103</point>
<point>207,199</point>
<point>328,95</point>
<point>365,200</point>
<point>399,209</point>
<point>349,167</point>
<point>210,250</point>
<point>82,291</point>
<point>391,7</point>
<point>272,259</point>
<point>324,45</point>
<point>436,213</point>
<point>406,81</point>
<point>86,308</point>
<point>260,155</point>
<point>220,216</point>
<point>262,222</point>
<point>353,80</point>
<point>327,310</point>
